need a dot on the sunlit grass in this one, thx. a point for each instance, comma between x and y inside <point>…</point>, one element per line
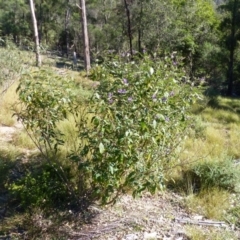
<point>229,103</point>
<point>21,139</point>
<point>198,233</point>
<point>234,140</point>
<point>70,135</point>
<point>216,134</point>
<point>8,101</point>
<point>70,129</point>
<point>211,203</point>
<point>9,152</point>
<point>220,115</point>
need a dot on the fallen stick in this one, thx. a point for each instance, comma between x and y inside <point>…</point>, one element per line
<point>201,222</point>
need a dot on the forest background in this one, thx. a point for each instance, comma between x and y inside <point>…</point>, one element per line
<point>204,32</point>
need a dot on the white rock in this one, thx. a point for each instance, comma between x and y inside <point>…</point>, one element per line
<point>150,236</point>
<point>198,217</point>
<point>131,237</point>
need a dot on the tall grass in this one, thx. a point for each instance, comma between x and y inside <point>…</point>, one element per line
<point>215,132</point>
<point>199,233</point>
<point>13,63</point>
<point>7,103</point>
<point>22,140</point>
<point>212,203</point>
<point>70,135</point>
<point>206,159</point>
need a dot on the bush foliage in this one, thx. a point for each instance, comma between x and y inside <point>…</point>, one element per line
<point>138,117</point>
<point>212,174</point>
<point>42,187</point>
<point>128,129</point>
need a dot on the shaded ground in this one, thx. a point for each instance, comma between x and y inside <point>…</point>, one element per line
<point>148,217</point>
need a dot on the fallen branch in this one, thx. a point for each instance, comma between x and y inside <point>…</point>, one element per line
<point>201,222</point>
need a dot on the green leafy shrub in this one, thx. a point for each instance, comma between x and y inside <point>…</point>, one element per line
<point>41,188</point>
<point>219,174</point>
<point>5,166</point>
<point>11,65</point>
<point>45,100</point>
<point>128,131</point>
<point>138,116</point>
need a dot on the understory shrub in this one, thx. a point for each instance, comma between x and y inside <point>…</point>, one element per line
<point>45,100</point>
<point>135,120</point>
<point>42,187</point>
<point>11,66</point>
<point>128,130</point>
<point>209,174</point>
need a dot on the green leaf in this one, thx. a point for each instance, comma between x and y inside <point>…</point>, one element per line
<point>151,71</point>
<point>101,148</point>
<point>154,123</point>
<point>111,169</point>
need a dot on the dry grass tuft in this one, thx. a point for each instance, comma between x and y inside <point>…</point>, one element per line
<point>70,135</point>
<point>21,139</point>
<point>198,233</point>
<point>211,203</point>
<point>9,152</point>
<point>215,133</point>
<point>8,101</point>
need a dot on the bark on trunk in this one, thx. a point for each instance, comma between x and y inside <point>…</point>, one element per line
<point>36,38</point>
<point>66,25</point>
<point>232,50</point>
<point>129,27</point>
<point>140,29</point>
<point>85,36</point>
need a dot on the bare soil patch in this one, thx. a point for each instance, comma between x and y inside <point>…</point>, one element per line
<point>147,217</point>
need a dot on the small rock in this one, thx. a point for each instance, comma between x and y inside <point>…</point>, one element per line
<point>198,217</point>
<point>131,237</point>
<point>150,236</point>
<point>167,238</point>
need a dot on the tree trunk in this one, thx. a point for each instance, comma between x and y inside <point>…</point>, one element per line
<point>66,26</point>
<point>36,38</point>
<point>129,28</point>
<point>40,22</point>
<point>85,36</point>
<point>232,50</point>
<point>140,28</point>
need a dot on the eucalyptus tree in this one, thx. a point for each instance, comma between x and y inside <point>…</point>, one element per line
<point>85,35</point>
<point>129,26</point>
<point>105,24</point>
<point>36,37</point>
<point>230,26</point>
